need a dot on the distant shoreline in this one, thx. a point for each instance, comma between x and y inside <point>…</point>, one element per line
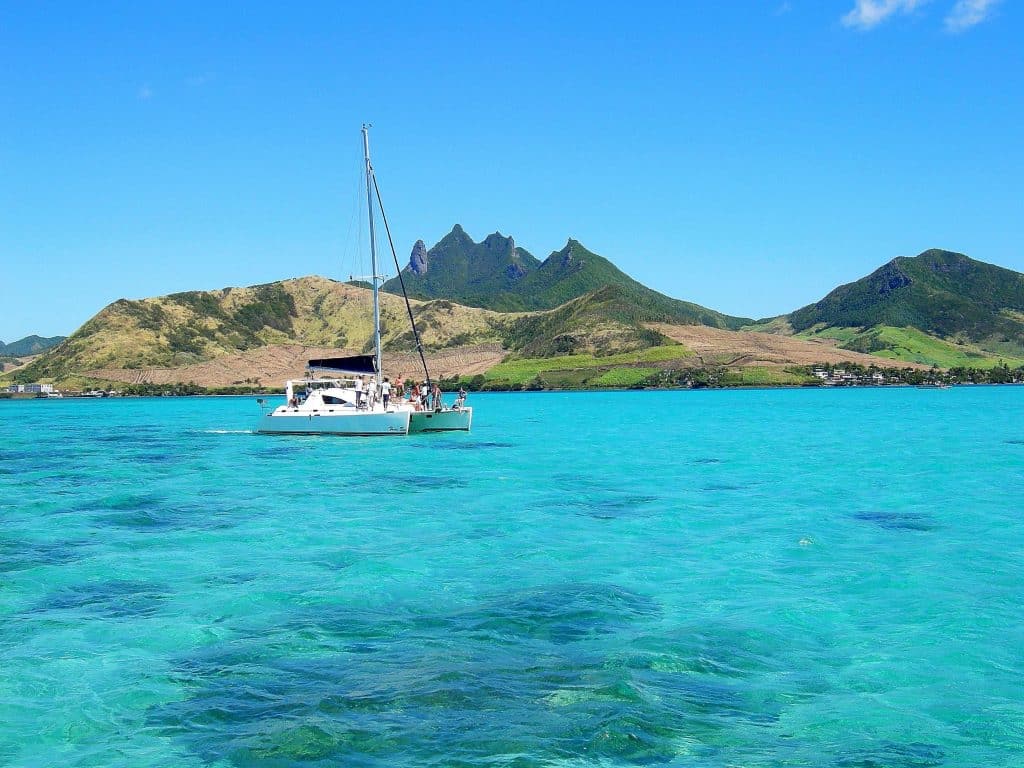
<point>729,388</point>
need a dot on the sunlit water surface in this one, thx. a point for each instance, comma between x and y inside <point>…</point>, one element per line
<point>744,578</point>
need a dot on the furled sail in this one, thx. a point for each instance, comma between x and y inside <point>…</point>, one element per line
<point>358,364</point>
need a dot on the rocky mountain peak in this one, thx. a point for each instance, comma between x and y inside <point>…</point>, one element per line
<point>418,258</point>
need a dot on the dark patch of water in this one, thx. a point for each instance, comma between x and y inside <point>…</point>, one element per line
<point>706,461</point>
<point>154,457</point>
<point>894,755</point>
<point>423,482</point>
<point>610,507</point>
<point>370,711</point>
<point>149,512</point>
<point>139,434</point>
<point>115,599</point>
<point>460,446</point>
<point>723,487</point>
<point>511,677</point>
<point>598,498</point>
<point>564,613</point>
<point>898,521</point>
<point>1014,442</point>
<point>18,554</point>
<point>336,559</point>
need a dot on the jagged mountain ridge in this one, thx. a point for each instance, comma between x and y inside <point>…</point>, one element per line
<point>496,274</point>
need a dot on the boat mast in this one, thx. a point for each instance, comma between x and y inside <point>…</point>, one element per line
<point>373,248</point>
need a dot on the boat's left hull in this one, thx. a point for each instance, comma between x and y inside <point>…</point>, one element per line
<point>351,424</point>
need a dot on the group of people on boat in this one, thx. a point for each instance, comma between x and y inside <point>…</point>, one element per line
<point>425,396</point>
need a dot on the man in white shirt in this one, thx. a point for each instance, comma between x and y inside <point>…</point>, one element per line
<point>385,392</point>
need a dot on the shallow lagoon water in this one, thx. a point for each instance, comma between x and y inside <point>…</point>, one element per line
<point>730,578</point>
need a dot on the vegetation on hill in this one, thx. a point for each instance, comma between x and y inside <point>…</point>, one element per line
<point>30,345</point>
<point>912,345</point>
<point>186,328</point>
<point>485,274</point>
<point>497,275</point>
<point>601,329</point>
<point>942,293</point>
<point>603,322</point>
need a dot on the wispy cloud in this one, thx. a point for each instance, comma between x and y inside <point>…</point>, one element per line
<point>197,81</point>
<point>967,13</point>
<point>145,93</point>
<point>867,14</point>
<point>784,8</point>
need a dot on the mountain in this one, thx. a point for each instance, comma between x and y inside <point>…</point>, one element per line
<point>30,345</point>
<point>938,306</point>
<point>482,274</point>
<point>496,274</point>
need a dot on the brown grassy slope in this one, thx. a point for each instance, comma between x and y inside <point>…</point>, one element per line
<point>274,364</point>
<point>714,346</point>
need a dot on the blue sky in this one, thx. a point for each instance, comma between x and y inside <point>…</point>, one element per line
<point>748,156</point>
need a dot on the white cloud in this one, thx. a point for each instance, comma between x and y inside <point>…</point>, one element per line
<point>967,13</point>
<point>867,14</point>
<point>145,92</point>
<point>784,8</point>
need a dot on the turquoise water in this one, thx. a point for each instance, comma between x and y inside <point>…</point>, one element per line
<point>731,578</point>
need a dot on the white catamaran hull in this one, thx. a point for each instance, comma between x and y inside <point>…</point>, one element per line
<point>354,424</point>
<point>441,421</point>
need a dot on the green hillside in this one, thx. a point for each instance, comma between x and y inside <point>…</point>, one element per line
<point>30,345</point>
<point>495,274</point>
<point>939,292</point>
<point>939,308</point>
<point>602,322</point>
<point>914,346</point>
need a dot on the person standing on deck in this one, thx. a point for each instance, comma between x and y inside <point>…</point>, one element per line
<point>359,391</point>
<point>385,392</point>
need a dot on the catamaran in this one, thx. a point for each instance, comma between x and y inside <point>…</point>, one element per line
<point>345,395</point>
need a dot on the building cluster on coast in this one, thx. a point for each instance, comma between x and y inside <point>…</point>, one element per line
<point>48,390</point>
<point>840,377</point>
<point>30,389</point>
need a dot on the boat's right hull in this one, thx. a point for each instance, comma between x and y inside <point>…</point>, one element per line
<point>441,421</point>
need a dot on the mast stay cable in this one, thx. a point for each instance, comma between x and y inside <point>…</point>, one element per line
<point>408,306</point>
